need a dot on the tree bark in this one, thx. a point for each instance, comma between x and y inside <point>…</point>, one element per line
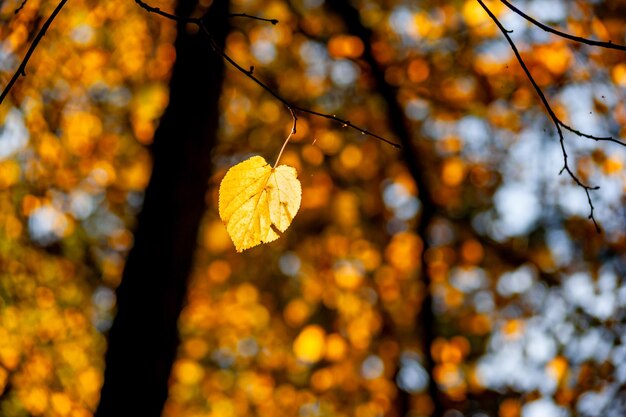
<point>144,337</point>
<point>413,160</point>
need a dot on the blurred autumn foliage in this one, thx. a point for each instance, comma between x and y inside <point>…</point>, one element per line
<point>458,276</point>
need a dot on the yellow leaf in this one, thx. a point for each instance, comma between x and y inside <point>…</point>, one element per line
<point>258,201</point>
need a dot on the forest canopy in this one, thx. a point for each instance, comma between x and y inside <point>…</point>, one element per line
<point>459,244</point>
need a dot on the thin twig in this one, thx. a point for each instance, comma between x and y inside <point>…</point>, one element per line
<point>249,73</point>
<point>557,122</point>
<point>167,15</point>
<point>272,21</point>
<point>347,123</point>
<point>601,44</point>
<point>21,7</point>
<point>196,20</point>
<point>21,70</point>
<point>588,136</point>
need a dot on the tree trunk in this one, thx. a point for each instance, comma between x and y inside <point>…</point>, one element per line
<point>144,337</point>
<point>413,160</point>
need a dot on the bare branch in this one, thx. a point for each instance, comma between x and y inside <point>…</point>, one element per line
<point>21,70</point>
<point>608,45</point>
<point>557,122</point>
<point>272,21</point>
<point>20,7</point>
<point>249,73</point>
<point>347,123</point>
<point>588,136</point>
<point>170,16</point>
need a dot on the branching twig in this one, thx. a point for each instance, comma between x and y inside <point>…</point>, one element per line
<point>170,16</point>
<point>608,45</point>
<point>249,73</point>
<point>21,70</point>
<point>588,136</point>
<point>196,20</point>
<point>557,122</point>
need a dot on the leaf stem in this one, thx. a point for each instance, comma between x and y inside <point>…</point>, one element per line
<point>291,133</point>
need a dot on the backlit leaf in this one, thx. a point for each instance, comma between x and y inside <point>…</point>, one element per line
<point>257,201</point>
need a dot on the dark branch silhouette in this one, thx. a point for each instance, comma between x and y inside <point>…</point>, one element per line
<point>272,21</point>
<point>555,119</point>
<point>21,6</point>
<point>601,44</point>
<point>21,70</point>
<point>249,73</point>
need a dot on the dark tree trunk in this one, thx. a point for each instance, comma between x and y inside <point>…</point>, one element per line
<point>413,160</point>
<point>144,336</point>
